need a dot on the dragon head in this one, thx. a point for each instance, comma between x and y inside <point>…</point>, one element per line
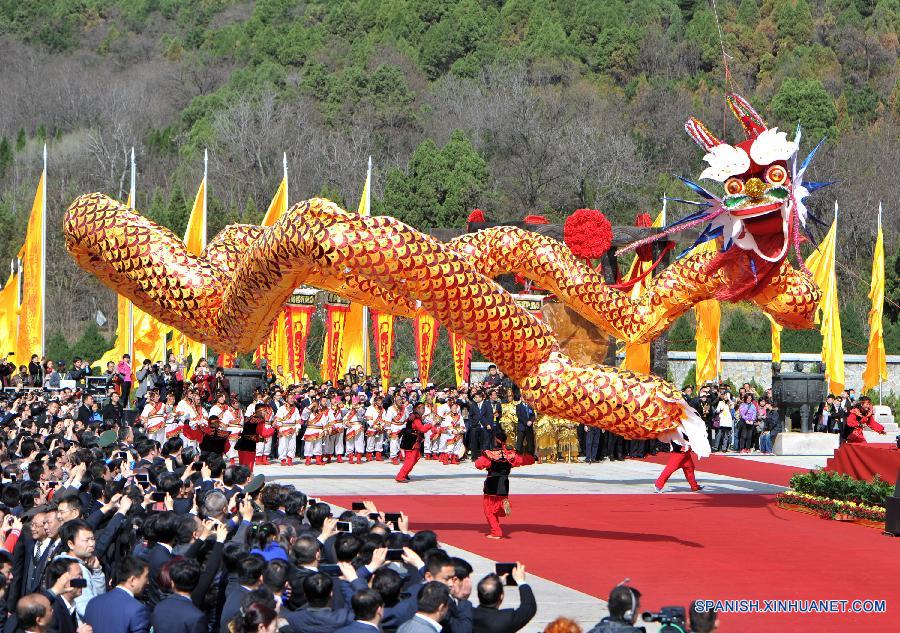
<point>762,208</point>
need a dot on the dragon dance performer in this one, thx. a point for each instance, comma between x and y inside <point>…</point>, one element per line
<point>411,441</point>
<point>254,431</point>
<point>860,416</point>
<point>153,417</point>
<point>190,412</point>
<point>287,419</point>
<point>375,430</point>
<point>316,417</point>
<point>212,437</point>
<point>679,459</point>
<point>498,464</point>
<point>355,437</point>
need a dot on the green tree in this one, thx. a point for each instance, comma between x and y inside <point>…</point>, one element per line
<point>892,288</point>
<point>439,187</point>
<point>805,101</point>
<point>92,345</point>
<point>58,348</point>
<point>6,156</point>
<point>794,22</point>
<point>21,139</point>
<point>741,336</point>
<point>682,336</point>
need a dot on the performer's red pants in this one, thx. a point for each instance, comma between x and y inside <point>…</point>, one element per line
<point>409,460</point>
<point>247,458</point>
<point>493,510</point>
<point>676,461</point>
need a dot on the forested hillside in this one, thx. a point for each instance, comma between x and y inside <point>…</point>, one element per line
<point>515,107</point>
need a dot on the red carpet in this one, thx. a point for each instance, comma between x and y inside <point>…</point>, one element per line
<point>680,547</point>
<point>776,474</point>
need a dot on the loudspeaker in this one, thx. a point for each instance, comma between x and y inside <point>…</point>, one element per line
<point>892,518</point>
<point>244,382</point>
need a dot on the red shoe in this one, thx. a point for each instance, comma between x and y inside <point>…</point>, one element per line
<point>258,461</point>
<point>340,459</point>
<point>456,460</point>
<point>319,461</point>
<point>396,461</point>
<point>379,457</point>
<point>309,461</point>
<point>265,460</point>
<point>370,457</point>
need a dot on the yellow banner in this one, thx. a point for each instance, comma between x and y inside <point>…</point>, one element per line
<point>637,355</point>
<point>876,356</point>
<point>30,336</point>
<point>821,265</point>
<point>462,356</point>
<point>9,318</point>
<point>278,205</point>
<point>776,339</point>
<point>384,345</point>
<point>709,318</point>
<point>426,333</point>
<point>335,317</point>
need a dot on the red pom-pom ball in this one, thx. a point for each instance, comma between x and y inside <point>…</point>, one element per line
<point>477,215</point>
<point>588,233</point>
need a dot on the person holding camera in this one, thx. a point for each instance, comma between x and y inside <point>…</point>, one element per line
<point>624,608</point>
<point>488,617</point>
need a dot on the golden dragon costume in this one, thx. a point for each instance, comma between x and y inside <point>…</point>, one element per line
<point>229,295</point>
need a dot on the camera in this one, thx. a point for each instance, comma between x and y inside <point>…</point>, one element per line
<point>672,619</point>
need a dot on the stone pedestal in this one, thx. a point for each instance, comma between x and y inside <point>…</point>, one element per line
<point>789,443</point>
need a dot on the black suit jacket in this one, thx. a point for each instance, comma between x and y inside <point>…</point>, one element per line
<point>491,620</point>
<point>156,557</point>
<point>524,414</point>
<point>64,621</point>
<point>177,614</point>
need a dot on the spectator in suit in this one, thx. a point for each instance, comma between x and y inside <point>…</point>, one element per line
<point>161,530</point>
<point>488,617</point>
<point>250,571</point>
<point>317,616</point>
<point>481,417</point>
<point>118,611</point>
<point>368,609</point>
<point>433,604</point>
<point>389,585</point>
<point>34,613</point>
<point>177,613</point>
<point>256,618</point>
<point>62,594</point>
<point>525,417</point>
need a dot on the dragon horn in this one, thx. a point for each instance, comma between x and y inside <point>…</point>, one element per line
<point>701,134</point>
<point>750,119</point>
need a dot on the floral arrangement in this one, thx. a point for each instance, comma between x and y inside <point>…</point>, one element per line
<point>831,508</point>
<point>837,496</point>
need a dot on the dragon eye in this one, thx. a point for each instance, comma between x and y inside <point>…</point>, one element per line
<point>776,174</point>
<point>734,186</point>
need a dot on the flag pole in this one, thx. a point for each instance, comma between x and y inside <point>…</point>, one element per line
<point>131,195</point>
<point>203,229</point>
<point>284,169</point>
<point>880,381</point>
<point>44,254</point>
<point>365,314</point>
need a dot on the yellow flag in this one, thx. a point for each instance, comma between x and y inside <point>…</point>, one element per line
<point>709,317</point>
<point>195,235</point>
<point>354,352</point>
<point>149,338</point>
<point>776,338</point>
<point>637,355</point>
<point>876,358</point>
<point>821,265</point>
<point>195,241</point>
<point>30,338</point>
<point>278,205</point>
<point>9,300</point>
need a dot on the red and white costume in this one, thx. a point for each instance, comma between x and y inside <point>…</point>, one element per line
<point>153,417</point>
<point>374,432</point>
<point>192,415</point>
<point>395,419</point>
<point>355,436</point>
<point>287,421</point>
<point>312,437</point>
<point>333,443</point>
<point>453,432</point>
